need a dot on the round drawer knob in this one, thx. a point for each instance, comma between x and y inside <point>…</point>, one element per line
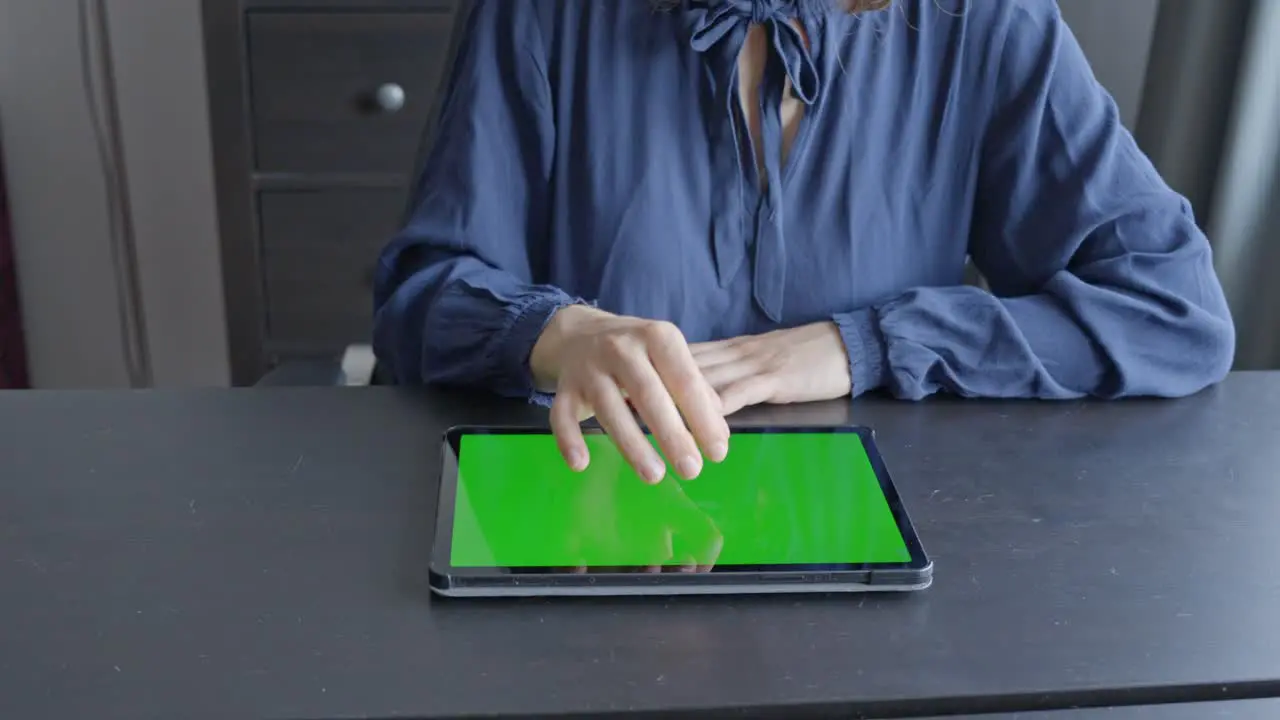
<point>389,97</point>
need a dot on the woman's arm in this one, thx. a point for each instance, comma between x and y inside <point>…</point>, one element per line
<point>456,298</point>
<point>454,294</point>
<point>1102,285</point>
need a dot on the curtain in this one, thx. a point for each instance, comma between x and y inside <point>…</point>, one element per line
<point>13,360</point>
<point>1210,120</point>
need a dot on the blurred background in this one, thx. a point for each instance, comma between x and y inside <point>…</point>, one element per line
<point>196,190</point>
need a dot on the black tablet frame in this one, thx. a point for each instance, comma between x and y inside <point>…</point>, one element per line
<point>445,579</point>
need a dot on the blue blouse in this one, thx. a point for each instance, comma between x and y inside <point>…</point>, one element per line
<point>595,151</point>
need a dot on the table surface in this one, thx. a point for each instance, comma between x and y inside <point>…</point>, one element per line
<point>1264,709</point>
<point>263,554</point>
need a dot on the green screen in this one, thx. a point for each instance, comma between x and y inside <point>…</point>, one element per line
<point>778,499</point>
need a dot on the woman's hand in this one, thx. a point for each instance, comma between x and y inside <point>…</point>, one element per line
<point>803,364</point>
<point>595,361</point>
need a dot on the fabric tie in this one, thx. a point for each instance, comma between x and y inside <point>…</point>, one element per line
<point>722,25</point>
<point>717,20</point>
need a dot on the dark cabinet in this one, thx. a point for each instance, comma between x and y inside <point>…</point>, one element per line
<point>342,92</point>
<point>318,109</point>
<point>319,248</point>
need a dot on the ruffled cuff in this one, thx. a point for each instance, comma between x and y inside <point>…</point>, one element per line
<point>868,351</point>
<point>530,319</point>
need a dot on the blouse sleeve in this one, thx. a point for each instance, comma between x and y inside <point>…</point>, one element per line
<point>1101,282</point>
<point>455,298</point>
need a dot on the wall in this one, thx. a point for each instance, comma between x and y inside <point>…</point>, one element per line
<point>57,193</point>
<point>1116,35</point>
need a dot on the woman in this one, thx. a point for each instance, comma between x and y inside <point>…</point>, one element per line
<point>705,204</point>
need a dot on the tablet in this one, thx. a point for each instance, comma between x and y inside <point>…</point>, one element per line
<point>791,509</point>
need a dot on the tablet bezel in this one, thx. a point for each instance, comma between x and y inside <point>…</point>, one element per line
<point>445,579</point>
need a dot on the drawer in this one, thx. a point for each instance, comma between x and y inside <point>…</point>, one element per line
<point>315,83</point>
<point>319,249</point>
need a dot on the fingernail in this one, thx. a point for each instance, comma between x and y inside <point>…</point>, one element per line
<point>577,460</point>
<point>718,452</point>
<point>689,466</point>
<point>654,471</point>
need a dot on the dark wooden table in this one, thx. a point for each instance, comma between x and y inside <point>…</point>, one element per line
<point>1268,709</point>
<point>263,553</point>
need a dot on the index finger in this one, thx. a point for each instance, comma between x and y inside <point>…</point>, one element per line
<point>696,399</point>
<point>567,428</point>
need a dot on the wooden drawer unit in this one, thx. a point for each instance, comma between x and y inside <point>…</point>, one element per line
<point>343,92</point>
<point>318,109</point>
<point>318,253</point>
